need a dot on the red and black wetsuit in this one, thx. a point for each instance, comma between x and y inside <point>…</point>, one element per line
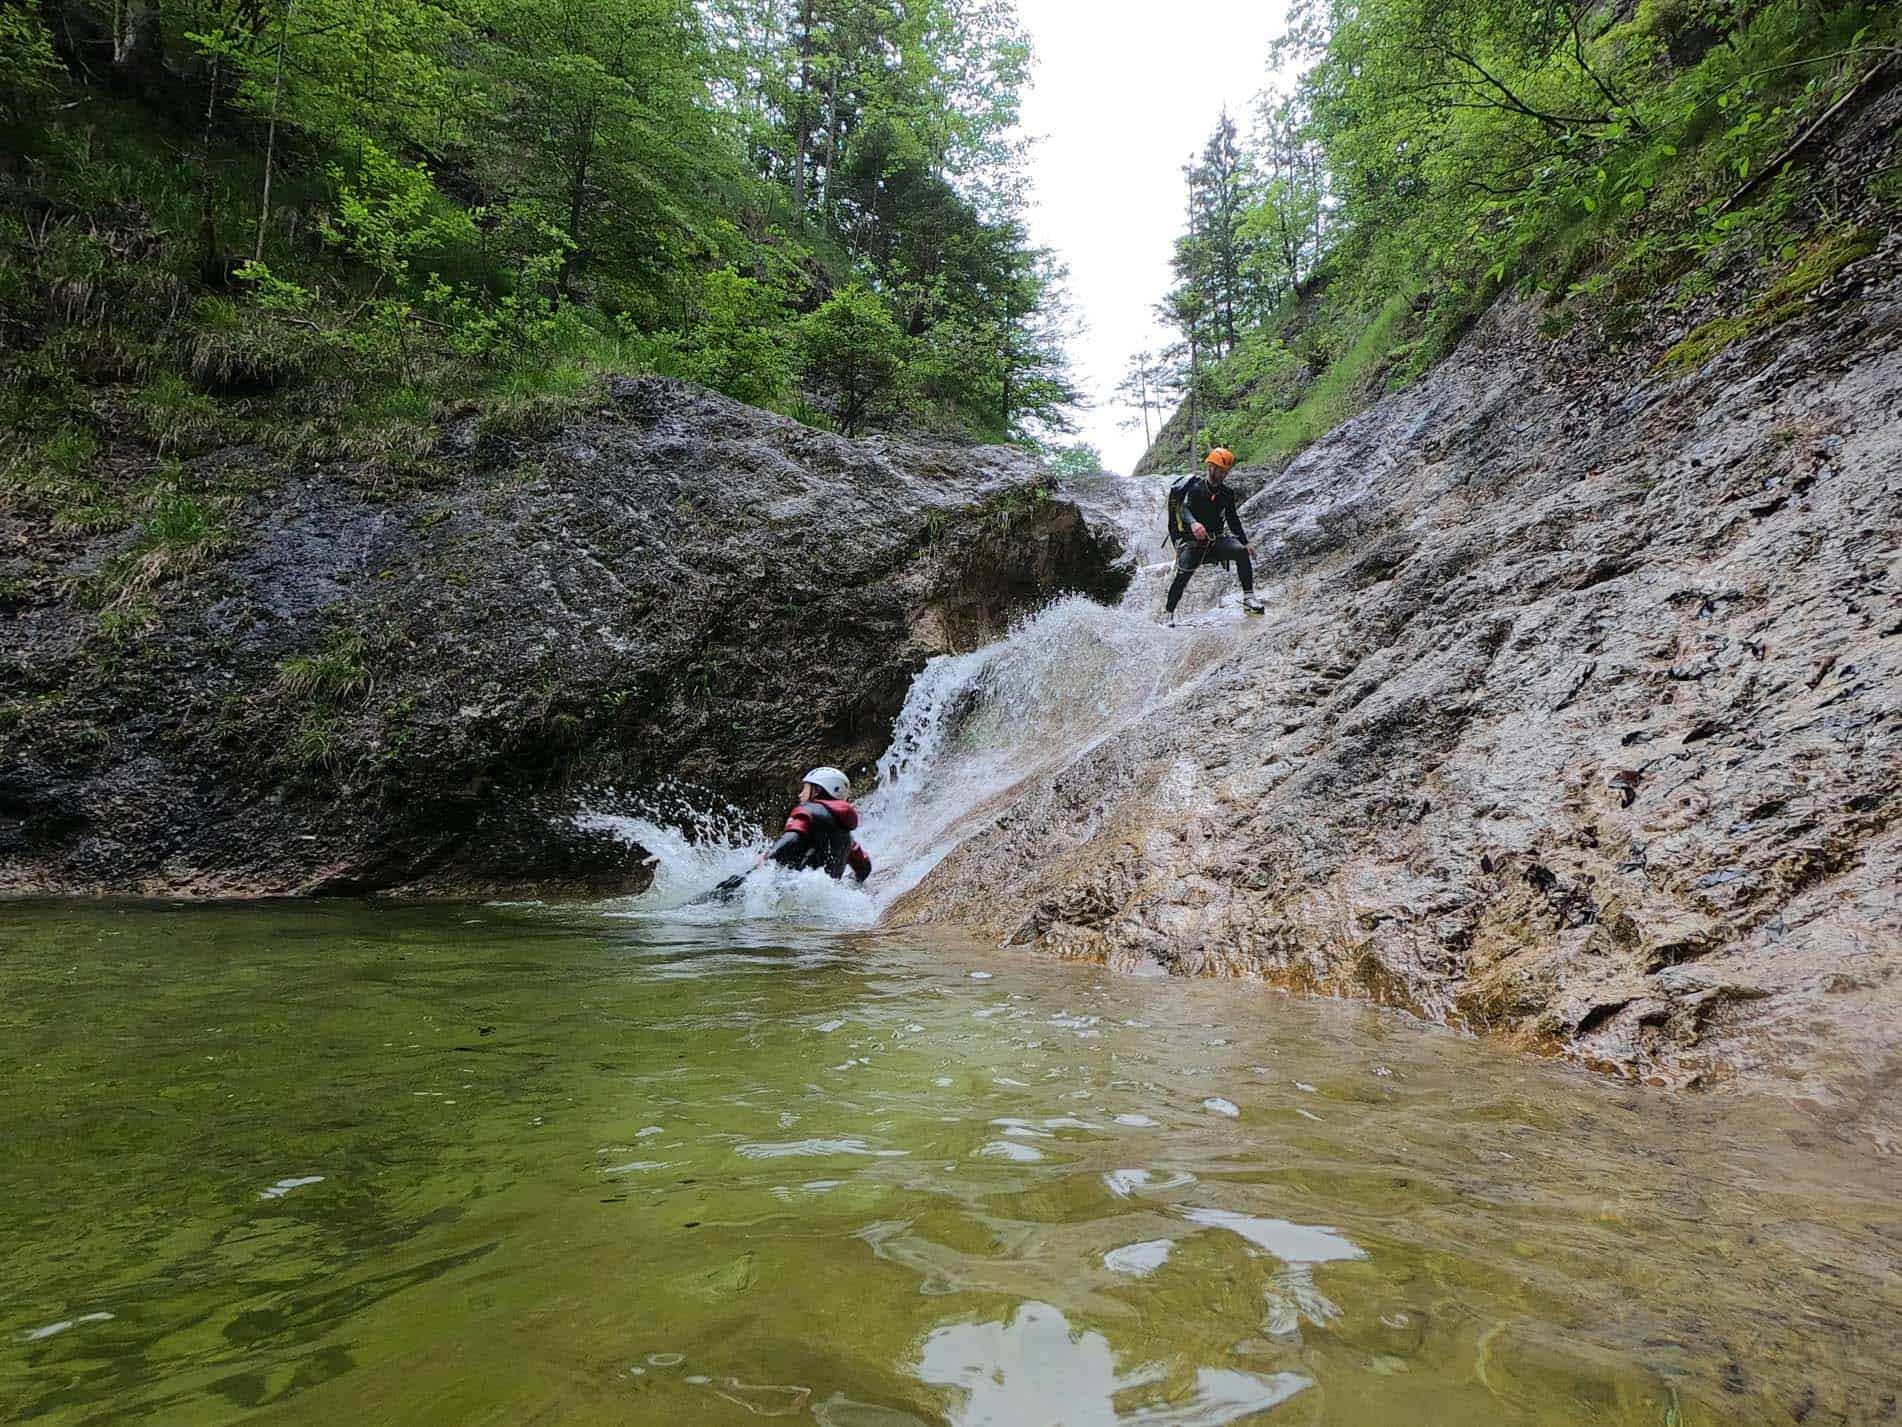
<point>818,836</point>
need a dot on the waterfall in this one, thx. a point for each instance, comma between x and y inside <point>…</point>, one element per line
<point>973,727</point>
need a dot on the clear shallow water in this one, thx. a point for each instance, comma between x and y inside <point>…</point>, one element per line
<point>356,1164</point>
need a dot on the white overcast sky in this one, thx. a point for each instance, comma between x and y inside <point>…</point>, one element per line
<point>1123,94</point>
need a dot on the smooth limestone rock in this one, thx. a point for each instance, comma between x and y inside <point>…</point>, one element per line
<point>1577,714</point>
<point>406,690</point>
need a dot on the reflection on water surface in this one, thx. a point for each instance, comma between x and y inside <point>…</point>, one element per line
<point>509,1164</point>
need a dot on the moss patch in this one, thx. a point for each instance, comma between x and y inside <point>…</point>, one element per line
<point>1819,262</point>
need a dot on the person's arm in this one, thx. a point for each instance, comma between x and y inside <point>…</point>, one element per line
<point>1195,500</point>
<point>790,850</point>
<point>860,864</point>
<point>1233,517</point>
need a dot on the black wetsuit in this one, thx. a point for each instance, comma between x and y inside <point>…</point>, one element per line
<point>1212,506</point>
<point>818,837</point>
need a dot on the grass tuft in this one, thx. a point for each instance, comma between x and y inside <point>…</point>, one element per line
<point>317,687</point>
<point>174,414</point>
<point>333,674</point>
<point>180,535</point>
<point>536,400</point>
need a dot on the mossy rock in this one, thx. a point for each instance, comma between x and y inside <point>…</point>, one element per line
<point>1821,261</point>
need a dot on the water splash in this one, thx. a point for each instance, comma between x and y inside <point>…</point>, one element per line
<point>973,728</point>
<point>694,843</point>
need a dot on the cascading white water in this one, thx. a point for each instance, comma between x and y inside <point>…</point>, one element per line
<point>973,726</point>
<point>694,845</point>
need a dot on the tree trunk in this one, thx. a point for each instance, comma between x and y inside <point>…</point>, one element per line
<point>1195,382</point>
<point>1005,356</point>
<point>802,122</point>
<point>851,400</point>
<point>138,45</point>
<point>211,262</point>
<point>270,141</point>
<point>577,197</point>
<point>1314,189</point>
<point>832,139</point>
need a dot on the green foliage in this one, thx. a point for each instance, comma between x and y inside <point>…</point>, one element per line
<point>853,353</point>
<point>1619,162</point>
<point>281,210</point>
<point>1343,386</point>
<point>609,99</point>
<point>28,68</point>
<point>738,343</point>
<point>1077,459</point>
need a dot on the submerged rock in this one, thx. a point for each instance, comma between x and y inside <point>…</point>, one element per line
<point>402,689</point>
<point>1575,716</point>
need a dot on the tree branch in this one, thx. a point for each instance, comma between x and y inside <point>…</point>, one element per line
<point>1803,140</point>
<point>1617,101</point>
<point>1511,101</point>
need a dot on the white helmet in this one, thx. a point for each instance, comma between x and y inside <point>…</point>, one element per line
<point>831,782</point>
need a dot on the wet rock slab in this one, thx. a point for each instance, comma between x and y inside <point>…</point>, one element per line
<point>404,687</point>
<point>1575,716</point>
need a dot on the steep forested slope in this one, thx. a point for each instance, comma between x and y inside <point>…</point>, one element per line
<point>316,223</point>
<point>1670,174</point>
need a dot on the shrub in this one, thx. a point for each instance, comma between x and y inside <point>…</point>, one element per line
<point>28,68</point>
<point>737,346</point>
<point>853,354</point>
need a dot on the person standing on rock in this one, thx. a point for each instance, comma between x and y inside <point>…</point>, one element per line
<point>1199,506</point>
<point>819,829</point>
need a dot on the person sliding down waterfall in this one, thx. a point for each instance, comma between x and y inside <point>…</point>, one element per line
<point>818,836</point>
<point>819,829</point>
<point>1198,508</point>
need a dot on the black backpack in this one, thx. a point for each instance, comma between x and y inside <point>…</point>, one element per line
<point>1175,526</point>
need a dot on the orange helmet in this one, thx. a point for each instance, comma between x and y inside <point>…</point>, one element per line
<point>1223,457</point>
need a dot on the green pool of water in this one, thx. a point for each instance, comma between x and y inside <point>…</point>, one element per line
<point>344,1164</point>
